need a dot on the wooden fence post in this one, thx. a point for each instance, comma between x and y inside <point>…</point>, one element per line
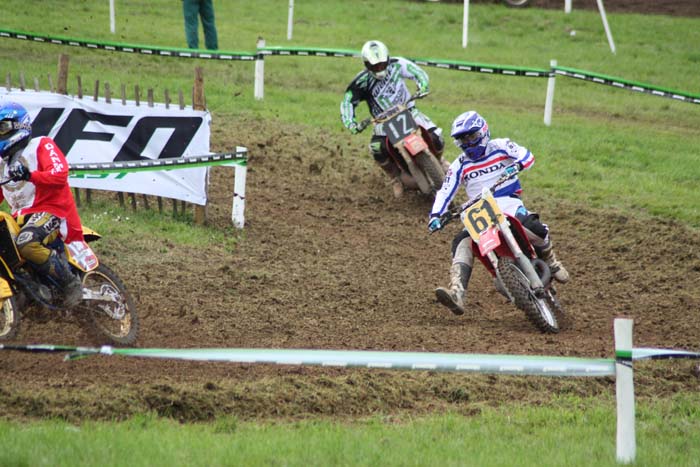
<point>80,87</point>
<point>198,103</point>
<point>62,85</point>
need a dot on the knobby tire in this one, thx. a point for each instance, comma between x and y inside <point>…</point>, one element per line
<point>122,331</point>
<point>524,300</point>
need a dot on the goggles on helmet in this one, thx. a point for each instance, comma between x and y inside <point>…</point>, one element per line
<point>377,67</point>
<point>470,139</point>
<point>8,126</point>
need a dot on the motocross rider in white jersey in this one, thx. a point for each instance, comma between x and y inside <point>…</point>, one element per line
<point>382,86</point>
<point>479,166</point>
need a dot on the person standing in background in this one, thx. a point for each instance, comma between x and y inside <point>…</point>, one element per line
<point>192,10</point>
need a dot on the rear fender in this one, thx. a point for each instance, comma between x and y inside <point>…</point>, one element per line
<point>5,289</point>
<point>90,235</point>
<point>8,250</point>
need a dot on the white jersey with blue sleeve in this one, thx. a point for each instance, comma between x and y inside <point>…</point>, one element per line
<point>476,175</point>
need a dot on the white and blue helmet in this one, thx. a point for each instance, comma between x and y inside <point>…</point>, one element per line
<point>15,128</point>
<point>471,134</point>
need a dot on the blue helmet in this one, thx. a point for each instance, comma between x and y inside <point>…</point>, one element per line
<point>471,134</point>
<point>15,128</point>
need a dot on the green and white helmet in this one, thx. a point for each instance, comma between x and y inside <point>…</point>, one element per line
<point>376,58</point>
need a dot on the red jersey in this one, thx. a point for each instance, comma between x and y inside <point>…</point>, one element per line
<point>47,189</point>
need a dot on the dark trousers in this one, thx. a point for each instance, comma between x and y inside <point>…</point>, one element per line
<point>192,10</point>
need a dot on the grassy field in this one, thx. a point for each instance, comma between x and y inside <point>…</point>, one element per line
<point>571,432</point>
<point>606,147</point>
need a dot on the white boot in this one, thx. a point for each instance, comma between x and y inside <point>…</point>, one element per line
<point>558,271</point>
<point>453,298</point>
<point>397,187</point>
<point>445,164</point>
<point>394,174</point>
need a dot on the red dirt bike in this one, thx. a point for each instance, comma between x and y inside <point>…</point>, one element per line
<point>408,147</point>
<point>106,305</point>
<point>500,243</point>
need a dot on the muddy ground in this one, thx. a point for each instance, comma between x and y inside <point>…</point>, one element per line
<point>328,260</point>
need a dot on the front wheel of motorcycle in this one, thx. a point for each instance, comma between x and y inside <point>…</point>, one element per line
<point>432,169</point>
<point>9,318</point>
<point>108,307</point>
<point>538,310</point>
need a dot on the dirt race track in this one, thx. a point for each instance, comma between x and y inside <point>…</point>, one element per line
<point>328,260</point>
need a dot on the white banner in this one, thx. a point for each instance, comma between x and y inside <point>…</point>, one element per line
<point>90,131</point>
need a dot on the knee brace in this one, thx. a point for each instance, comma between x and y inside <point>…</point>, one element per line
<point>438,142</point>
<point>39,230</point>
<point>462,249</point>
<point>30,246</point>
<point>533,225</point>
<point>377,147</point>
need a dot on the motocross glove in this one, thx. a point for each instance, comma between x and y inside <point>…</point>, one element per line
<point>434,225</point>
<point>510,170</point>
<point>19,172</point>
<point>513,169</point>
<point>354,128</point>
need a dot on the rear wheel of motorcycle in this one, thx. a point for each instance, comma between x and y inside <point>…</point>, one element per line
<point>432,169</point>
<point>9,318</point>
<point>117,320</point>
<point>538,310</point>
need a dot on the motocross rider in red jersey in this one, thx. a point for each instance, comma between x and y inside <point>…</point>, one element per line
<point>39,197</point>
<point>481,164</point>
<point>382,86</point>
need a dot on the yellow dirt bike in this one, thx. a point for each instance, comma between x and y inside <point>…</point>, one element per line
<point>106,306</point>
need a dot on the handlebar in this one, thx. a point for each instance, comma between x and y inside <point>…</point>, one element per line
<point>449,215</point>
<point>390,112</point>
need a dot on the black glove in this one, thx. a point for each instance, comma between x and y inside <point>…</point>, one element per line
<point>19,172</point>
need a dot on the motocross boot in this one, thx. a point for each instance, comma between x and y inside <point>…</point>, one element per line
<point>445,164</point>
<point>453,298</point>
<point>58,268</point>
<point>558,271</point>
<point>394,174</point>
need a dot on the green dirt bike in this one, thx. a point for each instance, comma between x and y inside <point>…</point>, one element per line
<point>106,306</point>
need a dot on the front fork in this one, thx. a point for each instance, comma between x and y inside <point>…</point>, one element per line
<point>523,261</point>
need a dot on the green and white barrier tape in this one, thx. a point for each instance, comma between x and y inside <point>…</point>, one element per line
<point>500,364</point>
<point>239,157</point>
<point>663,354</point>
<point>327,52</point>
<point>476,363</point>
<point>626,84</point>
<point>129,48</point>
